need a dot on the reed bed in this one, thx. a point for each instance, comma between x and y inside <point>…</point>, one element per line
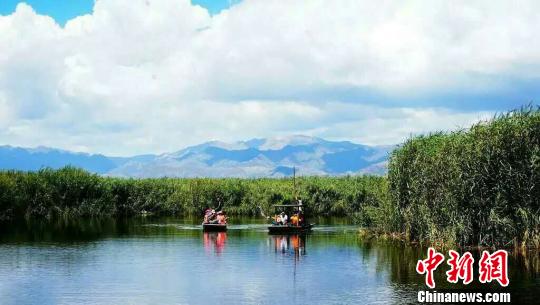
<point>74,192</point>
<point>479,186</point>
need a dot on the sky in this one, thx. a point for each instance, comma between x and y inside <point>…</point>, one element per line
<point>63,11</point>
<point>126,77</point>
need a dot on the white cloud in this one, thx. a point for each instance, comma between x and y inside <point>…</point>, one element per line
<point>153,76</point>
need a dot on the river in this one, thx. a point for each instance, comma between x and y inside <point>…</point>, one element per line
<point>149,260</point>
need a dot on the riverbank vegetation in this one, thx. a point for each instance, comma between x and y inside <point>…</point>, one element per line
<point>479,186</point>
<point>75,192</point>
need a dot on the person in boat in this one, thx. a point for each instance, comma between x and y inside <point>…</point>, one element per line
<point>300,218</point>
<point>221,218</point>
<point>207,213</point>
<point>294,219</point>
<point>284,219</point>
<point>276,220</point>
<point>209,216</point>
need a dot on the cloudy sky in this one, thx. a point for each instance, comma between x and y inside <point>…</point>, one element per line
<point>125,77</point>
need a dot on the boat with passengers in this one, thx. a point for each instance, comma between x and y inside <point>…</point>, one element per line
<point>214,221</point>
<point>290,219</point>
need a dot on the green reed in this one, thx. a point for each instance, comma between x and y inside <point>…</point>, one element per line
<point>75,192</point>
<point>479,186</point>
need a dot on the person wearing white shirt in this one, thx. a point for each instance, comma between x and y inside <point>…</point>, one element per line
<point>284,218</point>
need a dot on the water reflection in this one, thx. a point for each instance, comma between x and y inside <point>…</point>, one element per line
<point>215,240</point>
<point>290,244</point>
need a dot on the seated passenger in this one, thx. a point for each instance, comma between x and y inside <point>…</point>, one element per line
<point>284,218</point>
<point>276,219</point>
<point>221,218</point>
<point>212,217</point>
<point>294,219</point>
<point>208,214</point>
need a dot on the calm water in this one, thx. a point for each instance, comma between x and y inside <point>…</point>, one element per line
<point>170,261</point>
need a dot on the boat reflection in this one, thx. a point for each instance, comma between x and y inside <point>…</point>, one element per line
<point>290,244</point>
<point>215,240</point>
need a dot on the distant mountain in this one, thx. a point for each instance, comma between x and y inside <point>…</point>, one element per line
<point>273,157</point>
<point>29,159</point>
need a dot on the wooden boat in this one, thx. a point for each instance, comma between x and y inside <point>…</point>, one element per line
<point>289,229</point>
<point>296,208</point>
<point>214,227</point>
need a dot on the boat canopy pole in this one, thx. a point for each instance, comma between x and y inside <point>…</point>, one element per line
<point>294,183</point>
<point>298,201</point>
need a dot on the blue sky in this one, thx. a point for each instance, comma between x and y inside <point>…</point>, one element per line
<point>153,76</point>
<point>63,11</point>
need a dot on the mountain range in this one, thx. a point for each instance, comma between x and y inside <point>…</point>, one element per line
<point>271,157</point>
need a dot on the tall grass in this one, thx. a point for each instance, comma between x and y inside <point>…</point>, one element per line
<point>75,192</point>
<point>479,186</point>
